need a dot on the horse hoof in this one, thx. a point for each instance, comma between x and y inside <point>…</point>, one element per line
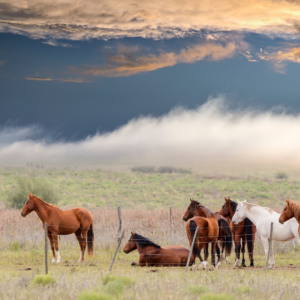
<point>53,260</point>
<point>134,264</point>
<point>243,265</point>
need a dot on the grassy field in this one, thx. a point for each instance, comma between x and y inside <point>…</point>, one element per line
<point>93,189</point>
<point>145,199</point>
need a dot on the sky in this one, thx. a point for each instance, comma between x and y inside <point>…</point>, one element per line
<point>149,81</point>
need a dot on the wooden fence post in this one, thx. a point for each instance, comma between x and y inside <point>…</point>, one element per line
<point>119,244</point>
<point>46,248</point>
<point>270,245</point>
<point>120,223</point>
<point>171,226</point>
<point>191,250</point>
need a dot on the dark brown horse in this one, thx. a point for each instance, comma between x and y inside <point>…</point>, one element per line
<point>225,234</point>
<point>76,220</point>
<point>208,232</point>
<point>152,254</point>
<point>243,233</point>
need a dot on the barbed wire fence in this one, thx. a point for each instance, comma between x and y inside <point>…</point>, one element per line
<point>112,242</point>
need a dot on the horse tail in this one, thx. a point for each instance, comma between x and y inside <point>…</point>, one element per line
<point>193,227</point>
<point>90,241</point>
<point>227,242</point>
<point>250,235</point>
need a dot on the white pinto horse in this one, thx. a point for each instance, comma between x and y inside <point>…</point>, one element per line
<point>262,217</point>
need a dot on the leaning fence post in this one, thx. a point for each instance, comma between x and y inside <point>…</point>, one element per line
<point>171,226</point>
<point>270,245</point>
<point>120,223</point>
<point>46,248</point>
<point>192,246</point>
<point>119,244</point>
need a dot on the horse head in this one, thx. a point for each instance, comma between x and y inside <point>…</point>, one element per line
<point>131,245</point>
<point>190,212</point>
<point>239,214</point>
<point>226,208</point>
<point>287,212</point>
<point>29,206</point>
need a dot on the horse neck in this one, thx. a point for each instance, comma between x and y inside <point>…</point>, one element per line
<point>201,212</point>
<point>296,210</point>
<point>42,209</point>
<point>255,213</point>
<point>146,248</point>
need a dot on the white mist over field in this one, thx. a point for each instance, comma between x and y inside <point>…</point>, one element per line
<point>211,132</point>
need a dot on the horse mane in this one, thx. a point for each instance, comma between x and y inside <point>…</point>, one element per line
<point>208,211</point>
<point>233,205</point>
<point>143,242</point>
<point>295,208</point>
<point>250,205</point>
<point>49,204</point>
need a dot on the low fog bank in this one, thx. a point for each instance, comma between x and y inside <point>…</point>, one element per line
<point>209,135</point>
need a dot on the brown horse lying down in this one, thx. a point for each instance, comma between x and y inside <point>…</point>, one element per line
<point>76,220</point>
<point>291,210</point>
<point>152,254</point>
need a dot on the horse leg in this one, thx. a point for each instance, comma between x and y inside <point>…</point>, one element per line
<point>204,263</point>
<point>243,250</point>
<point>265,242</point>
<point>52,246</point>
<point>213,256</point>
<point>79,238</point>
<point>218,255</point>
<point>84,236</point>
<point>237,246</point>
<point>55,241</point>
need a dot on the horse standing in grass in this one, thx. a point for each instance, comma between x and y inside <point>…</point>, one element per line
<point>291,210</point>
<point>262,217</point>
<point>152,254</point>
<point>76,220</point>
<point>243,233</point>
<point>208,232</point>
<point>225,234</point>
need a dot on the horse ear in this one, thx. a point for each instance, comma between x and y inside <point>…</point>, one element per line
<point>226,199</point>
<point>132,233</point>
<point>192,200</point>
<point>245,200</point>
<point>287,201</point>
<point>30,195</point>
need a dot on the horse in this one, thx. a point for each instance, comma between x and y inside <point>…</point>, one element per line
<point>291,210</point>
<point>208,232</point>
<point>262,218</point>
<point>152,254</point>
<point>76,220</point>
<point>225,234</point>
<point>243,233</point>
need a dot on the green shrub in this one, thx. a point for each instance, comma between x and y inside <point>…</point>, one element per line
<point>42,280</point>
<point>198,289</point>
<point>215,296</point>
<point>17,196</point>
<point>114,285</point>
<point>94,296</point>
<point>281,175</point>
<point>243,289</point>
<point>143,169</point>
<point>15,246</point>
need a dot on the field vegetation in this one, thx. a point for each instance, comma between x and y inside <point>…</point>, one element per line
<point>145,199</point>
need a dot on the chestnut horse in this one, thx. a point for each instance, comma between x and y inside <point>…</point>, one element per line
<point>291,210</point>
<point>208,232</point>
<point>76,220</point>
<point>225,234</point>
<point>152,254</point>
<point>243,233</point>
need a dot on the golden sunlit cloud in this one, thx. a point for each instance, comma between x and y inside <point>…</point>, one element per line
<point>280,57</point>
<point>127,62</point>
<point>85,19</point>
<point>38,78</point>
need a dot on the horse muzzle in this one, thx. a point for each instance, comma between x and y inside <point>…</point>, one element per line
<point>23,215</point>
<point>281,221</point>
<point>125,251</point>
<point>184,219</point>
